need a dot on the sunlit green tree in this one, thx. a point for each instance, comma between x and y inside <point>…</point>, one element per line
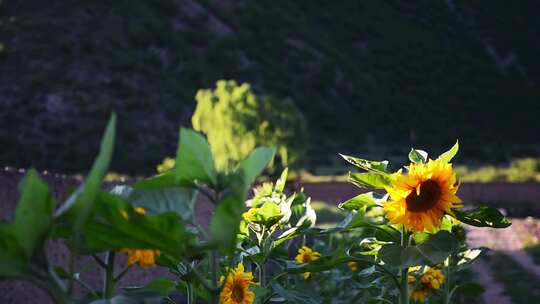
<point>236,120</point>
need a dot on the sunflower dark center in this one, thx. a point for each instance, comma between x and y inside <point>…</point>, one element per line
<point>306,258</point>
<point>428,197</point>
<point>238,293</point>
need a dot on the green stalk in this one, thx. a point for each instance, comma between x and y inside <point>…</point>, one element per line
<point>447,283</point>
<point>108,279</point>
<point>404,290</point>
<point>214,269</point>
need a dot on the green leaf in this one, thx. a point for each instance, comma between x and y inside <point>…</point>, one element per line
<point>80,203</point>
<point>260,293</point>
<point>439,246</point>
<point>448,155</point>
<point>280,183</point>
<point>255,163</point>
<point>396,256</point>
<point>155,201</point>
<point>159,287</point>
<point>293,296</point>
<point>418,156</point>
<point>13,263</point>
<point>368,165</point>
<point>358,202</point>
<point>225,223</point>
<point>471,289</point>
<point>433,251</point>
<point>268,214</point>
<point>33,217</point>
<point>165,180</point>
<point>116,225</point>
<point>483,216</point>
<point>370,180</point>
<point>194,160</point>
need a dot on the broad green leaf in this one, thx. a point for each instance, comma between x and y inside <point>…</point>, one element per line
<point>225,222</point>
<point>467,257</point>
<point>418,156</point>
<point>396,256</point>
<point>293,296</point>
<point>116,225</point>
<point>327,262</point>
<point>483,216</point>
<point>161,287</point>
<point>80,203</point>
<point>448,155</point>
<point>371,180</point>
<point>433,251</point>
<point>280,184</point>
<point>439,246</point>
<point>165,180</point>
<point>471,289</point>
<point>292,233</point>
<point>260,293</point>
<point>194,160</point>
<point>359,202</point>
<point>33,217</point>
<point>155,201</point>
<point>13,263</point>
<point>382,232</point>
<point>368,165</point>
<point>255,163</point>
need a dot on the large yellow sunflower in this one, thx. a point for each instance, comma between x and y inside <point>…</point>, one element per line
<point>306,255</point>
<point>236,287</point>
<point>420,198</point>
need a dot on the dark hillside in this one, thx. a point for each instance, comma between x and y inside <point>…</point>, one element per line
<point>383,74</point>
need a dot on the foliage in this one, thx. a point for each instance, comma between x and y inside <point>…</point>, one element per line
<point>519,170</point>
<point>267,248</point>
<point>236,120</point>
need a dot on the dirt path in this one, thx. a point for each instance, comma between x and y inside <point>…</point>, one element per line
<point>495,292</point>
<point>508,241</point>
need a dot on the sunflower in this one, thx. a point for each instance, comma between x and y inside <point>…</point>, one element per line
<point>420,198</point>
<point>145,257</point>
<point>236,287</point>
<point>306,255</point>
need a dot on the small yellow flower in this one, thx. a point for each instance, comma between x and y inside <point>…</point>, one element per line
<point>145,257</point>
<point>419,295</point>
<point>433,278</point>
<point>249,215</point>
<point>421,198</point>
<point>236,287</point>
<point>306,255</point>
<point>353,266</point>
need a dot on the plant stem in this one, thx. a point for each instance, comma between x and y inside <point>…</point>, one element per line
<point>214,269</point>
<point>447,283</point>
<point>404,290</point>
<point>108,279</point>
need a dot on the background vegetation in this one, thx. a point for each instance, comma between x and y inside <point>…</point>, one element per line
<point>419,73</point>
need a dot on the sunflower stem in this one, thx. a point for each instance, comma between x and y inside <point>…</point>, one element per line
<point>214,265</point>
<point>404,290</point>
<point>108,278</point>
